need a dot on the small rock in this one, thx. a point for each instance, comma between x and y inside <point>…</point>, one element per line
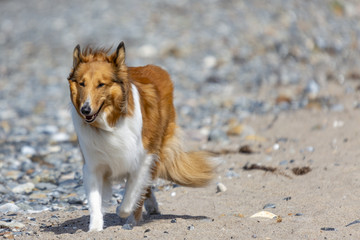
<point>287,198</point>
<point>299,214</point>
<point>9,207</point>
<point>75,200</point>
<point>328,229</point>
<point>310,149</point>
<point>28,151</point>
<point>191,227</point>
<point>173,220</point>
<point>38,196</point>
<point>45,186</point>
<point>6,220</point>
<point>221,187</point>
<point>312,89</point>
<point>264,214</point>
<point>276,147</point>
<point>209,62</point>
<point>246,149</point>
<point>173,194</point>
<point>269,205</point>
<point>12,225</point>
<point>3,189</point>
<point>24,188</point>
<point>14,175</point>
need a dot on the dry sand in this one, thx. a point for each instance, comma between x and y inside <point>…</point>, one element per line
<point>326,197</point>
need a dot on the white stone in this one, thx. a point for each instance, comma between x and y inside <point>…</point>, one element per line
<point>209,62</point>
<point>221,187</point>
<point>9,207</point>
<point>27,150</point>
<point>26,187</point>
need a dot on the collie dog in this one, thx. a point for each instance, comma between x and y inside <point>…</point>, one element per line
<point>124,118</point>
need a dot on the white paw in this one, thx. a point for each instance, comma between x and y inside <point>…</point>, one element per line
<point>96,225</point>
<point>123,213</point>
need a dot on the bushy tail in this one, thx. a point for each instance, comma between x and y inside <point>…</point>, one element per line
<point>190,169</point>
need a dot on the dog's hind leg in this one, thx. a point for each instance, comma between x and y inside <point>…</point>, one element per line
<point>136,185</point>
<point>93,183</point>
<point>151,205</point>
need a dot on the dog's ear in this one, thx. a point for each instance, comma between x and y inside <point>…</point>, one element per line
<point>119,55</point>
<point>76,56</point>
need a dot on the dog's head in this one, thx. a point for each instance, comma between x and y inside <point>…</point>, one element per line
<point>98,83</point>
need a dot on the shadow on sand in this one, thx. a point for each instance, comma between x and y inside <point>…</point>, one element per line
<point>110,220</point>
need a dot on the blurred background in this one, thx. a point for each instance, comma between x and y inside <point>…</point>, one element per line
<point>228,60</point>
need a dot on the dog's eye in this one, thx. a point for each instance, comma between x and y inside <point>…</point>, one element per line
<point>82,84</point>
<point>100,85</point>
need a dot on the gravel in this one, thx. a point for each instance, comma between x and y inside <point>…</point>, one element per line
<point>228,60</point>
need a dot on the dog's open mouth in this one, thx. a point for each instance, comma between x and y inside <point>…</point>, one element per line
<point>91,118</point>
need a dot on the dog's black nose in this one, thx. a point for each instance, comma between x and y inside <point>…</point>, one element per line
<point>86,109</point>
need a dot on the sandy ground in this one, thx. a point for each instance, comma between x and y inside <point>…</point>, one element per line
<point>316,205</point>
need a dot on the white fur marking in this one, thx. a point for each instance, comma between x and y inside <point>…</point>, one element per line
<point>118,152</point>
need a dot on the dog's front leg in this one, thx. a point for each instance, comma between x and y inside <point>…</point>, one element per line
<point>93,183</point>
<point>136,185</point>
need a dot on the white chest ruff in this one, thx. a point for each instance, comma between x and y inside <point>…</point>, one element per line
<point>117,148</point>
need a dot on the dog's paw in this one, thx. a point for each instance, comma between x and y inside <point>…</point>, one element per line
<point>151,208</point>
<point>123,213</point>
<point>95,227</point>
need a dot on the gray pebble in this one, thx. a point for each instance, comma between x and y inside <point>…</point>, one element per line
<point>45,186</point>
<point>75,200</point>
<point>269,205</point>
<point>9,207</point>
<point>191,227</point>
